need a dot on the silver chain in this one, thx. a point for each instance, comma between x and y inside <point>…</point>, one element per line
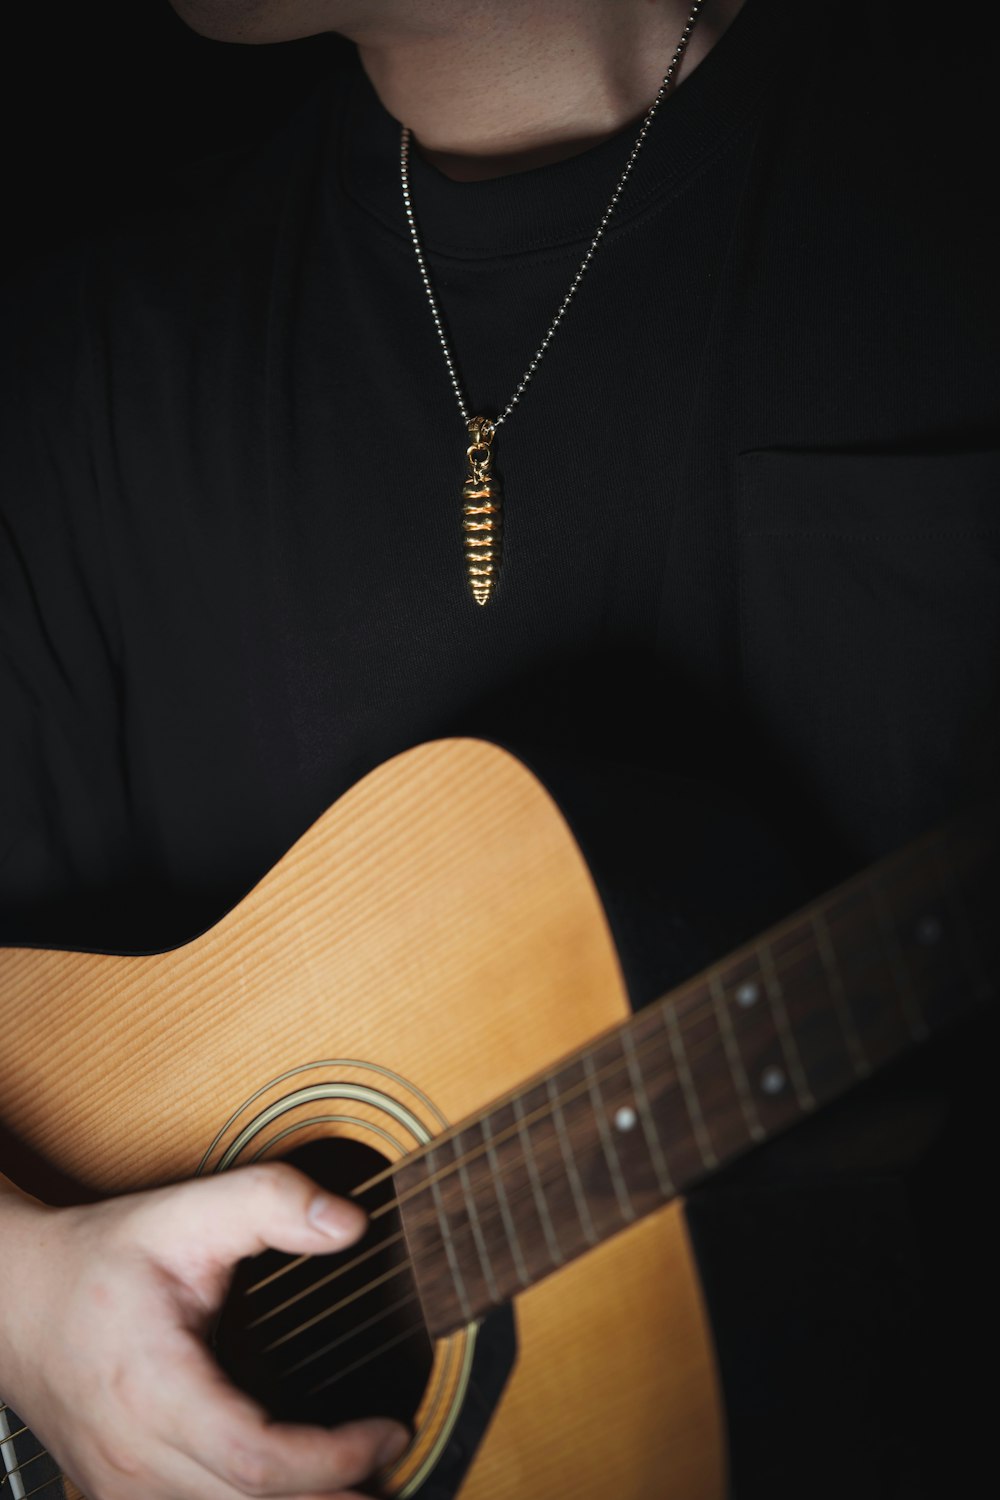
<point>404,162</point>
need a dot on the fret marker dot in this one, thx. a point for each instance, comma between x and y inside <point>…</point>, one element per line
<point>929,930</point>
<point>625,1118</point>
<point>747,994</point>
<point>772,1080</point>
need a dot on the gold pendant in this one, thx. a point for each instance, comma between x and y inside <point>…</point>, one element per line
<point>482,519</point>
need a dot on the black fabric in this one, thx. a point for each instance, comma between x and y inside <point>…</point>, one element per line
<point>751,561</point>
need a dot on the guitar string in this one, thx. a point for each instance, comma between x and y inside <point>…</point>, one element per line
<point>56,1479</point>
<point>366,1359</point>
<point>693,1016</point>
<point>23,1465</point>
<point>711,1045</point>
<point>323,1281</point>
<point>351,1333</point>
<point>326,1313</point>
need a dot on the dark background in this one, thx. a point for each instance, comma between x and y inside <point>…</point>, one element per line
<point>99,96</point>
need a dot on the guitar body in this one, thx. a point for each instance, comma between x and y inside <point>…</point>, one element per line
<point>433,940</point>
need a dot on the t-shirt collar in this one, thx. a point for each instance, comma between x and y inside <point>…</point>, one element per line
<point>561,203</point>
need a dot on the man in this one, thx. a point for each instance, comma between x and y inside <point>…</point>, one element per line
<point>750,541</point>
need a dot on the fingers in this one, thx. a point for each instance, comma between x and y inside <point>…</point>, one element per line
<point>220,1219</point>
<point>219,1427</point>
<point>187,1480</point>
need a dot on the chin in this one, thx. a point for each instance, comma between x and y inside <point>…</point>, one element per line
<point>255,21</point>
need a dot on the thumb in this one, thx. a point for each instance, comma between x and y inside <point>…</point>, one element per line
<point>213,1222</point>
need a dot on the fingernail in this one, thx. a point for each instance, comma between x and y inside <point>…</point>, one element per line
<point>341,1221</point>
<point>392,1447</point>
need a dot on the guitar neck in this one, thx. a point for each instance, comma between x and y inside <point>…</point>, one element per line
<point>779,1028</point>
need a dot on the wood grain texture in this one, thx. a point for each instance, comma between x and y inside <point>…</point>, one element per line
<point>438,922</point>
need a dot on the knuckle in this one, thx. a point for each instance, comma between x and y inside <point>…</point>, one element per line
<point>113,1455</point>
<point>248,1469</point>
<point>355,1456</point>
<point>273,1179</point>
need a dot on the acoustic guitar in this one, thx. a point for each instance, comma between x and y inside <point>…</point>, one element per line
<point>421,1004</point>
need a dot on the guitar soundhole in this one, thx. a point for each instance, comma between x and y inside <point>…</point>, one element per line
<point>324,1351</point>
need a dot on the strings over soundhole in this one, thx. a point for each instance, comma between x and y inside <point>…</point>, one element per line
<point>334,1337</point>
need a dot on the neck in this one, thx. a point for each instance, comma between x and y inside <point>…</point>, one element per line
<point>487,90</point>
<point>781,1027</point>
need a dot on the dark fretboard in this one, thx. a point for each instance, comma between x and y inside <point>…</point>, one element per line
<point>783,1025</point>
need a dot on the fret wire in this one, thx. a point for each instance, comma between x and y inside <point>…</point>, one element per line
<point>548,1228</point>
<point>449,1250</point>
<point>956,904</point>
<point>772,988</point>
<point>500,1192</point>
<point>735,1059</point>
<point>693,1103</point>
<point>908,1000</point>
<point>469,1200</point>
<point>649,1129</point>
<point>610,1153</point>
<point>528,1186</point>
<point>575,1183</point>
<point>831,968</point>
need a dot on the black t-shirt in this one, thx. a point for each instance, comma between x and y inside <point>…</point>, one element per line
<point>751,556</point>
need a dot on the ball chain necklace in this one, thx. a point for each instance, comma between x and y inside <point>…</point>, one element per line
<point>482,499</point>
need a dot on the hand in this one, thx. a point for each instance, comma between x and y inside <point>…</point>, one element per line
<point>103,1344</point>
